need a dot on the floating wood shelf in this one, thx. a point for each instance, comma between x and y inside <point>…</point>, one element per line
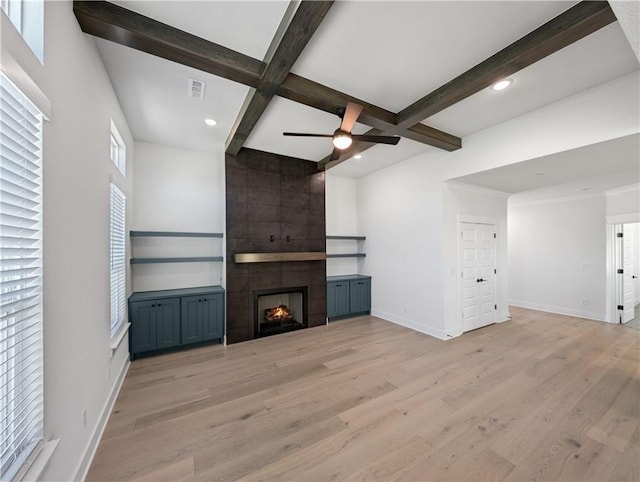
<point>347,255</point>
<point>279,257</point>
<point>356,238</point>
<point>172,234</point>
<point>198,259</point>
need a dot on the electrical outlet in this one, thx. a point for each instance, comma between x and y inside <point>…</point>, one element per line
<point>584,302</point>
<point>406,308</point>
<point>84,417</point>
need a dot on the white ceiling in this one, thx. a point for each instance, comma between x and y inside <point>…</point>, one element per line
<point>588,169</point>
<point>391,54</point>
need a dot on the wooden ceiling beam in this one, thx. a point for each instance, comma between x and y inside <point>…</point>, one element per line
<point>111,22</point>
<point>570,26</point>
<point>287,49</point>
<point>324,98</point>
<point>117,24</point>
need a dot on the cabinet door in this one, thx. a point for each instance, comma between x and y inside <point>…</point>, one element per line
<point>143,326</point>
<point>167,322</point>
<point>337,298</point>
<point>213,316</point>
<point>192,314</point>
<point>360,296</point>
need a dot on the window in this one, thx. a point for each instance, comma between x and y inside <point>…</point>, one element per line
<point>27,16</point>
<point>21,374</point>
<point>117,261</point>
<point>117,150</point>
<point>13,9</point>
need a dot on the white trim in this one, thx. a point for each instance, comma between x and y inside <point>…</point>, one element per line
<point>463,186</point>
<point>589,315</point>
<point>92,445</point>
<point>427,330</point>
<point>475,219</point>
<point>21,79</point>
<point>610,294</point>
<point>117,339</point>
<point>559,199</point>
<point>625,218</point>
<point>40,463</point>
<point>623,189</point>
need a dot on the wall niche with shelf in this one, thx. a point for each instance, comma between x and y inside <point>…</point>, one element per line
<point>177,298</point>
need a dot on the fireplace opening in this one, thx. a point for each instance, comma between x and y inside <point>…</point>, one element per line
<point>280,310</point>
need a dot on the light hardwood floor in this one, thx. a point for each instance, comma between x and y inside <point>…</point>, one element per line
<point>541,397</point>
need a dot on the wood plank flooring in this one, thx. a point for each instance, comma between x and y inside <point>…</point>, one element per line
<point>541,397</point>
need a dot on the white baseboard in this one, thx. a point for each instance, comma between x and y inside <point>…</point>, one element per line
<point>96,435</point>
<point>559,310</point>
<point>427,330</point>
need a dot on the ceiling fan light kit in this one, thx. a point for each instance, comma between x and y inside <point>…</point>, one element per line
<point>341,139</point>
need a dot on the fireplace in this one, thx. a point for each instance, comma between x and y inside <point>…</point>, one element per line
<point>275,206</point>
<point>280,310</point>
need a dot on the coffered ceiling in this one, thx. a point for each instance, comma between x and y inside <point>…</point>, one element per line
<point>387,54</point>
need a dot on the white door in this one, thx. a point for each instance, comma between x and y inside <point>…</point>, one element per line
<point>477,263</point>
<point>628,276</point>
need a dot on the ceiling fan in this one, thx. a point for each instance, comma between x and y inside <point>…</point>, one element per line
<point>343,138</point>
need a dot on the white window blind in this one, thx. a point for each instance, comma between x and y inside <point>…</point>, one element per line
<point>21,374</point>
<point>118,260</point>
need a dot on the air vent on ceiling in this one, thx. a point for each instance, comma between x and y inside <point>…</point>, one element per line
<point>196,88</point>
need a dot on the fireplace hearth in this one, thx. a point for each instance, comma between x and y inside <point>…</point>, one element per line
<point>280,310</point>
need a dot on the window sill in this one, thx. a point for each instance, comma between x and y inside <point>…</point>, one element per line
<point>41,460</point>
<point>117,339</point>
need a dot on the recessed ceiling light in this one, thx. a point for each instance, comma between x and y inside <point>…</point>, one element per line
<point>210,122</point>
<point>358,156</point>
<point>502,84</point>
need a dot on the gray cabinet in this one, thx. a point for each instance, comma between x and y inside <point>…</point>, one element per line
<point>168,319</point>
<point>202,317</point>
<point>360,295</point>
<point>157,324</point>
<point>348,295</point>
<point>337,298</point>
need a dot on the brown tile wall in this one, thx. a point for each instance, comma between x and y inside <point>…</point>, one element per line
<point>272,195</point>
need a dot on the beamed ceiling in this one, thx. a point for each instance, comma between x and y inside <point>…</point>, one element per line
<point>421,70</point>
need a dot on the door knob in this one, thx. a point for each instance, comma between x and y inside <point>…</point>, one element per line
<point>633,276</point>
<point>480,280</point>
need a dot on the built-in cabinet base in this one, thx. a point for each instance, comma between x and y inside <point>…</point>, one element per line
<point>348,295</point>
<point>167,320</point>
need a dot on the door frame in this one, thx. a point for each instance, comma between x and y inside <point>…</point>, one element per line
<point>473,219</point>
<point>613,292</point>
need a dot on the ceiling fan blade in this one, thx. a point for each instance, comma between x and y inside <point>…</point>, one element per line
<point>393,140</point>
<point>335,155</point>
<point>350,116</point>
<point>300,134</point>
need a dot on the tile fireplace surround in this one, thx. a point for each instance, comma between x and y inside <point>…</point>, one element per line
<point>275,204</point>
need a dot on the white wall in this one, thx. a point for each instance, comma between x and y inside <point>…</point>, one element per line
<point>79,372</point>
<point>400,212</point>
<point>400,208</point>
<point>557,256</point>
<point>178,190</point>
<point>342,220</point>
<point>623,201</point>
